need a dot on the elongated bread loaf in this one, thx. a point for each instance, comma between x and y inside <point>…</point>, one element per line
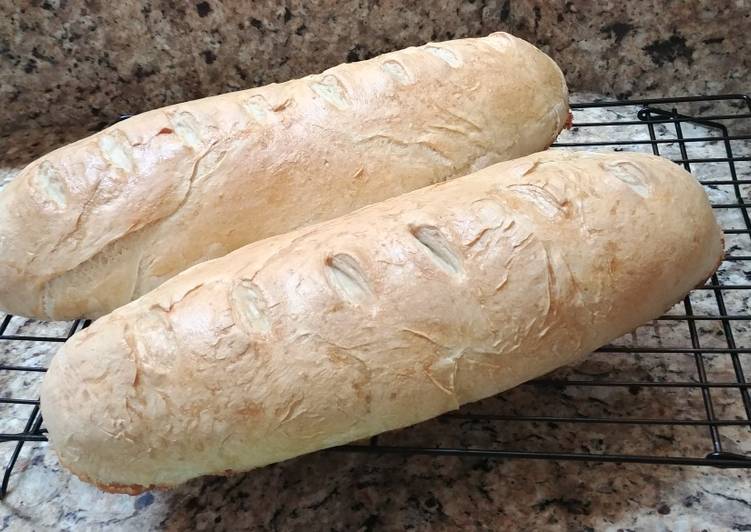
<point>93,225</point>
<point>379,319</point>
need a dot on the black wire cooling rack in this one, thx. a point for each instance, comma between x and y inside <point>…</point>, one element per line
<point>696,369</point>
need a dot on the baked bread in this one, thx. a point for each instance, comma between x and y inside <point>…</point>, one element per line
<point>378,319</point>
<point>95,224</point>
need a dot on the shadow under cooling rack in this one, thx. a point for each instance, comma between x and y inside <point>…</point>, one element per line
<point>672,392</point>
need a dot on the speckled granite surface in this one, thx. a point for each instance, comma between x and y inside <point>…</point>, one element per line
<point>343,491</point>
<point>82,63</point>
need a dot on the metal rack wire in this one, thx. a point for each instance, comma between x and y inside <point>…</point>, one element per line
<point>657,126</point>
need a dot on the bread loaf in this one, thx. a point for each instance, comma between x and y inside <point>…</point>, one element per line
<point>93,225</point>
<point>379,319</point>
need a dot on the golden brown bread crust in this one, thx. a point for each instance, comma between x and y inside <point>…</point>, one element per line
<point>381,318</point>
<point>569,120</point>
<point>129,489</point>
<point>95,224</point>
<point>125,489</point>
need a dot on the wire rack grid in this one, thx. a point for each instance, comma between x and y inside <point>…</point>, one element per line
<point>672,392</point>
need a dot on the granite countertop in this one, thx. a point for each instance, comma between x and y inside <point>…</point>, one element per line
<point>76,63</point>
<point>345,491</point>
